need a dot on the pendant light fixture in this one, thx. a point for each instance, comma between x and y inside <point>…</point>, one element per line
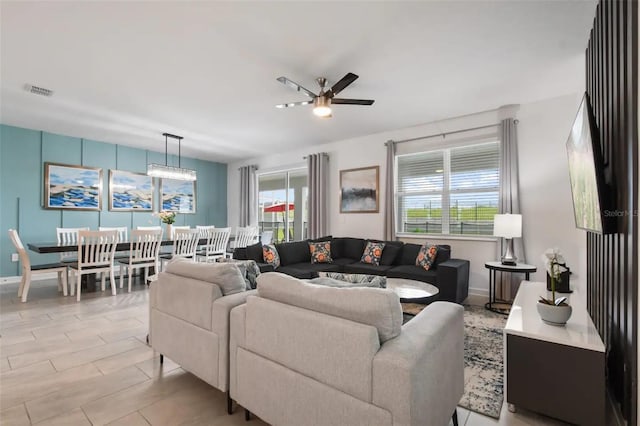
<point>170,172</point>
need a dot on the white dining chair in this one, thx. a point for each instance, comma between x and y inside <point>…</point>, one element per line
<point>144,250</point>
<point>244,237</point>
<point>68,237</point>
<point>185,244</point>
<point>122,231</point>
<point>149,228</point>
<point>205,232</point>
<point>216,246</point>
<point>28,269</point>
<point>96,250</point>
<point>175,228</point>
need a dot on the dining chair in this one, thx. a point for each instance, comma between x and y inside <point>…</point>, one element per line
<point>122,231</point>
<point>144,250</point>
<point>205,233</point>
<point>216,246</point>
<point>96,250</point>
<point>175,228</point>
<point>244,237</point>
<point>28,269</point>
<point>149,228</point>
<point>185,243</point>
<point>68,237</point>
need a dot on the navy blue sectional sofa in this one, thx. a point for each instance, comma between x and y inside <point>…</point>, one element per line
<point>451,276</point>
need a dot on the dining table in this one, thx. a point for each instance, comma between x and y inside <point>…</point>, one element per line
<point>88,280</point>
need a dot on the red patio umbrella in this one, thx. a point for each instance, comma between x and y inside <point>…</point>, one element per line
<point>278,208</point>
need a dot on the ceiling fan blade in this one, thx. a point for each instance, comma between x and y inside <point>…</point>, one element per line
<point>296,86</point>
<point>340,85</point>
<point>352,101</point>
<point>292,104</point>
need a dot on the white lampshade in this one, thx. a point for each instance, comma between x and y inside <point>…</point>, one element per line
<point>507,225</point>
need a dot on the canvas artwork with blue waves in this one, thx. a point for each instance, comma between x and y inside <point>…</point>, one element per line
<point>130,191</point>
<point>73,187</point>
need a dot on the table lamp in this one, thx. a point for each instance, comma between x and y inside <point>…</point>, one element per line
<point>508,226</point>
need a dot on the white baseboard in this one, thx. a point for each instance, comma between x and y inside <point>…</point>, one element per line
<point>34,277</point>
<point>478,291</point>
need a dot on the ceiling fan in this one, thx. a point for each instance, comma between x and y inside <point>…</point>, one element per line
<point>323,100</point>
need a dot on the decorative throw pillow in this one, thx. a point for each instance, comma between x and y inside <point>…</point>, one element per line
<point>372,253</point>
<point>427,256</point>
<point>320,252</point>
<point>270,255</point>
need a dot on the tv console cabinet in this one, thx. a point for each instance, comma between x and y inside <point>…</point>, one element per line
<point>558,371</point>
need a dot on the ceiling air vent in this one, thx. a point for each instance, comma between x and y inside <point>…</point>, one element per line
<point>38,90</point>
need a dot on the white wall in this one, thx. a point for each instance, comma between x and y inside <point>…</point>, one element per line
<point>546,195</point>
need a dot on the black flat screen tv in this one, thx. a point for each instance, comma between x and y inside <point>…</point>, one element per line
<point>586,170</point>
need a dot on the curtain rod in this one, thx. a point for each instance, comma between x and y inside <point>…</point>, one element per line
<point>443,134</point>
<point>255,166</point>
<point>306,156</point>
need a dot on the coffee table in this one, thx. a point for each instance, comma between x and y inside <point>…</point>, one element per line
<point>412,291</point>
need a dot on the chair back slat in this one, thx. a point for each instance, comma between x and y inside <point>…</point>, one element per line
<point>246,236</point>
<point>149,228</point>
<point>17,242</point>
<point>206,231</point>
<point>68,237</point>
<point>185,242</point>
<point>145,245</point>
<point>219,241</point>
<point>96,248</point>
<point>175,228</point>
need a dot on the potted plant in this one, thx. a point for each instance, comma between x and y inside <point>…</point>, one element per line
<point>167,218</point>
<point>554,311</point>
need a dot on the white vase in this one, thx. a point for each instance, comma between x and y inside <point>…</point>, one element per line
<point>169,232</point>
<point>554,315</point>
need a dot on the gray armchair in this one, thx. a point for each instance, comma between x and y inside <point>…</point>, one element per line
<point>313,355</point>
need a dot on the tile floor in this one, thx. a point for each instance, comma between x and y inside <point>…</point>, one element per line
<point>68,363</point>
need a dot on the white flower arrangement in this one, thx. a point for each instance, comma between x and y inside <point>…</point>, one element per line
<point>555,265</point>
<point>166,217</point>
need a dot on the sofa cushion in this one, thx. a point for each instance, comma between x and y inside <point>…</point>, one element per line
<point>366,268</point>
<point>270,255</point>
<point>316,267</point>
<point>303,274</point>
<point>372,253</point>
<point>320,252</point>
<point>344,261</point>
<point>412,272</point>
<point>294,252</point>
<point>409,253</point>
<point>254,252</point>
<point>427,256</point>
<point>320,239</point>
<point>227,276</point>
<point>391,251</point>
<point>377,307</point>
<point>351,248</point>
<point>444,254</point>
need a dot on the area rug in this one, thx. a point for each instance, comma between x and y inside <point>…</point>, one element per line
<point>483,370</point>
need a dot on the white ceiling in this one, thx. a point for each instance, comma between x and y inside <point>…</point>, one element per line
<point>126,72</point>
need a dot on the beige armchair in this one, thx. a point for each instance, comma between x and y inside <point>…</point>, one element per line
<point>303,354</point>
<point>190,305</point>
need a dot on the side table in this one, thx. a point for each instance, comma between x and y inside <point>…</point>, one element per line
<point>493,267</point>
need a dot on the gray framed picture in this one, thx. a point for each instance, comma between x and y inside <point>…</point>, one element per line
<point>130,192</point>
<point>72,187</point>
<point>359,191</point>
<point>178,196</point>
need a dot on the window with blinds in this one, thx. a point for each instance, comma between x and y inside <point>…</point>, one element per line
<point>450,191</point>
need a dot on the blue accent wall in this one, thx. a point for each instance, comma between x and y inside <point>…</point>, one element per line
<point>23,153</point>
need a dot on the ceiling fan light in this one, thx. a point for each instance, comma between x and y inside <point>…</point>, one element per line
<point>322,111</point>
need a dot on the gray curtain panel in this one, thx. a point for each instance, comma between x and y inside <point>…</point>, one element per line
<point>389,197</point>
<point>248,196</point>
<point>509,202</point>
<point>318,194</point>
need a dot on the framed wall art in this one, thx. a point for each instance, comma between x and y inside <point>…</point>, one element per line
<point>72,187</point>
<point>178,196</point>
<point>130,192</point>
<point>359,192</point>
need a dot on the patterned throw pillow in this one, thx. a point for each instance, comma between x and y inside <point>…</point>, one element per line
<point>366,280</point>
<point>427,256</point>
<point>321,252</point>
<point>271,255</point>
<point>372,253</point>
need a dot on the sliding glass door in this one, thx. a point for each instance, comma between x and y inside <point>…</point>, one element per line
<point>282,203</point>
